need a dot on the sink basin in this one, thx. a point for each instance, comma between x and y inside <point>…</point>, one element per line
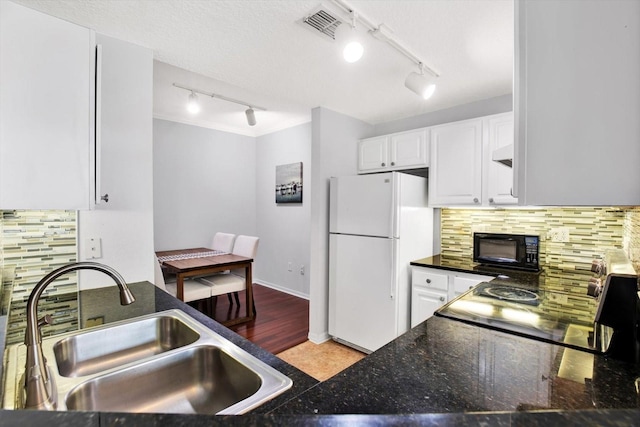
<point>200,380</point>
<point>164,362</point>
<point>99,350</point>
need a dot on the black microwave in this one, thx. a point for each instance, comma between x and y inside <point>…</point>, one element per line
<point>507,250</point>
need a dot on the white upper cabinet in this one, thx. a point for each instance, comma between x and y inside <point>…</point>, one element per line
<point>404,150</point>
<point>124,94</point>
<point>577,102</point>
<point>373,154</point>
<point>46,111</point>
<point>459,157</point>
<point>499,177</point>
<point>409,149</point>
<point>455,175</point>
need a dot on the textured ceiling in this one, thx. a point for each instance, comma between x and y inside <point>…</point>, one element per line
<point>258,51</point>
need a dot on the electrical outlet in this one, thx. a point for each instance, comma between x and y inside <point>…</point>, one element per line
<point>558,298</point>
<point>290,266</point>
<point>559,235</point>
<point>302,270</point>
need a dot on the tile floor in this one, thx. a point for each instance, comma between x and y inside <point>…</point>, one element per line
<point>321,361</point>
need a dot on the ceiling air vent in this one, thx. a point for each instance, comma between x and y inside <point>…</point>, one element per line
<point>324,22</point>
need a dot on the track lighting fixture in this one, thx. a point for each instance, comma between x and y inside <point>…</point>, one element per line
<point>353,50</point>
<point>193,105</point>
<point>251,116</point>
<point>420,83</point>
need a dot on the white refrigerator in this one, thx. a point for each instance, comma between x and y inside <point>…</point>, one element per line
<point>379,223</point>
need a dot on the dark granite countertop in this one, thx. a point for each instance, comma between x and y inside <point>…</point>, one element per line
<point>445,366</point>
<point>568,280</point>
<point>441,372</point>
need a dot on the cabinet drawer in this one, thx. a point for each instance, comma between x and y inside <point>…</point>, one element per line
<point>430,280</point>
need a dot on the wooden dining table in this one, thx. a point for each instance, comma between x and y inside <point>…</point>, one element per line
<point>201,262</point>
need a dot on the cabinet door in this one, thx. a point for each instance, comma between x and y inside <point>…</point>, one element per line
<point>530,388</point>
<point>462,283</point>
<point>455,176</point>
<point>577,132</point>
<point>409,150</point>
<point>125,223</point>
<point>499,176</point>
<point>424,303</point>
<point>46,80</point>
<point>373,154</point>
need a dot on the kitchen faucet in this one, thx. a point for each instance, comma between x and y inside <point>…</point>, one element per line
<point>40,392</point>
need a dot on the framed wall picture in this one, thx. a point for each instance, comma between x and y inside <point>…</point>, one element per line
<point>289,183</point>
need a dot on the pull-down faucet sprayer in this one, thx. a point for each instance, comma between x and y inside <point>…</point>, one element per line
<point>39,391</point>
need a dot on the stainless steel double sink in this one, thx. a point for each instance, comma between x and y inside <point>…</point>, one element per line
<point>165,362</point>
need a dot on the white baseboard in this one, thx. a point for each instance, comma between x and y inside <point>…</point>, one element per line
<point>318,338</point>
<point>282,289</point>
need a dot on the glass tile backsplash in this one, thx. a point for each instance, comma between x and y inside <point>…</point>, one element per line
<point>591,232</point>
<point>32,243</point>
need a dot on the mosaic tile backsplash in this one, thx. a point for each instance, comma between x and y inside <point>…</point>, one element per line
<point>631,240</point>
<point>592,232</point>
<point>32,243</point>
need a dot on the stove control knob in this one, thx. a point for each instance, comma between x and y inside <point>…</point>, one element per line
<point>594,288</point>
<point>597,266</point>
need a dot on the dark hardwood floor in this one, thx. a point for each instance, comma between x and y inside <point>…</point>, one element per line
<point>282,320</point>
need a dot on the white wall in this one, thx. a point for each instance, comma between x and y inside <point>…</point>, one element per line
<point>204,181</point>
<point>283,228</point>
<point>499,104</point>
<point>184,155</point>
<point>334,153</point>
<point>125,224</point>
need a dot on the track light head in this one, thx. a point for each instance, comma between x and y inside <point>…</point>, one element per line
<point>193,106</point>
<point>251,116</point>
<point>421,84</point>
<point>347,35</point>
<point>353,51</point>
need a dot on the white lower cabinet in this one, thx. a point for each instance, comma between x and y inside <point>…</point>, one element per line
<point>424,304</point>
<point>462,282</point>
<point>431,288</point>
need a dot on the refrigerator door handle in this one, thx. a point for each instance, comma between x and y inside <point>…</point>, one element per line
<point>395,203</point>
<point>394,268</point>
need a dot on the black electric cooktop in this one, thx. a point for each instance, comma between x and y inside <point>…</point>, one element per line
<point>530,312</point>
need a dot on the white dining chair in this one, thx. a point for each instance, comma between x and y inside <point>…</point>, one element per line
<point>193,290</point>
<point>234,280</point>
<point>223,242</point>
